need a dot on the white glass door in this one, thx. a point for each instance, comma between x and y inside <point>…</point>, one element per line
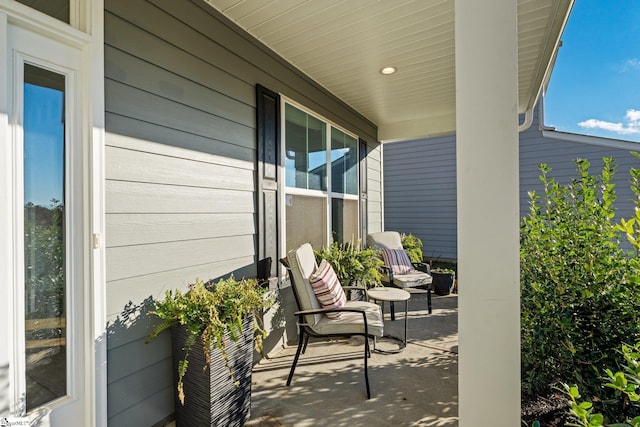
<point>48,361</point>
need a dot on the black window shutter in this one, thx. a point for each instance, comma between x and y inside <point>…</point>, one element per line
<point>268,144</point>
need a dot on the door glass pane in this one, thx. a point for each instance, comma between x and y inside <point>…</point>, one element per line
<point>305,150</point>
<point>306,221</point>
<point>44,242</point>
<point>58,9</point>
<point>344,220</point>
<point>344,163</point>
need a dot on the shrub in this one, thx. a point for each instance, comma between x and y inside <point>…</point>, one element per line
<point>579,295</point>
<point>412,246</point>
<point>624,407</point>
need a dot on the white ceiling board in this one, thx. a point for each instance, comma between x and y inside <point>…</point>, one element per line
<point>342,45</point>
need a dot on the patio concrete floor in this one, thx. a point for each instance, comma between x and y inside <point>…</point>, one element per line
<point>416,387</point>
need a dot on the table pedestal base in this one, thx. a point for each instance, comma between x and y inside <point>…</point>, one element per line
<point>391,295</point>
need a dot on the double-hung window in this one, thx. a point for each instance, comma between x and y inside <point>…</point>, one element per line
<point>321,180</point>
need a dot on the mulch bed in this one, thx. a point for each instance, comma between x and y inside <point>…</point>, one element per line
<point>550,411</point>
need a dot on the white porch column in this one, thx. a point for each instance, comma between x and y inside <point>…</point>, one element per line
<point>488,212</point>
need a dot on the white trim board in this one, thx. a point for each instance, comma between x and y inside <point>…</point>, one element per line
<point>592,140</point>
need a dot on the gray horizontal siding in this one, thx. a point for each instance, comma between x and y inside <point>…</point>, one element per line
<point>129,133</point>
<point>149,107</point>
<point>420,193</point>
<point>420,182</point>
<point>559,155</point>
<point>140,228</point>
<point>140,288</point>
<point>180,173</point>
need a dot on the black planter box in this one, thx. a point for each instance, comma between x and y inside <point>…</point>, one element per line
<point>211,398</point>
<point>442,282</point>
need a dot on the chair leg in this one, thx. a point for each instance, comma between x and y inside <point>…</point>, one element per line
<point>366,372</point>
<point>429,299</point>
<point>301,339</point>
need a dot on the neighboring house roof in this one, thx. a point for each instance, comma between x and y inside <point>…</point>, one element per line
<point>342,45</point>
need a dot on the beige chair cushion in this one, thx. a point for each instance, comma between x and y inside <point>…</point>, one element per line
<point>411,280</point>
<point>385,240</point>
<point>392,240</point>
<point>302,262</point>
<point>350,323</point>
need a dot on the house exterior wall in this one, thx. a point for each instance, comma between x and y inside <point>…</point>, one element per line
<point>420,192</point>
<point>420,181</point>
<point>180,173</point>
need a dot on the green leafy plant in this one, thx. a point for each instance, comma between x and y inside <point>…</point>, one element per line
<point>44,269</point>
<point>210,312</point>
<point>626,383</point>
<point>412,246</point>
<point>353,264</point>
<point>628,380</point>
<point>582,412</point>
<point>579,288</point>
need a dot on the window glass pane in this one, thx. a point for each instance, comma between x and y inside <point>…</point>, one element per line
<point>44,254</point>
<point>344,220</point>
<point>305,150</point>
<point>306,221</point>
<point>58,9</point>
<point>344,163</point>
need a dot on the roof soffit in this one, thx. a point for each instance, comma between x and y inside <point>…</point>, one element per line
<point>342,45</point>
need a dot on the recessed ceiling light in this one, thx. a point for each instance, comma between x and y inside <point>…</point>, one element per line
<point>388,70</point>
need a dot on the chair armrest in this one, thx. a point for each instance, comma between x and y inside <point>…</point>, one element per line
<point>388,270</point>
<point>354,288</point>
<point>348,291</point>
<point>329,310</point>
<point>422,266</point>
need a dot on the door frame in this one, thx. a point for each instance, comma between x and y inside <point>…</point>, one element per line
<point>86,35</point>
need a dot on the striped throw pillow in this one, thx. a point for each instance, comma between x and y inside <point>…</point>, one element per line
<point>327,287</point>
<point>397,260</point>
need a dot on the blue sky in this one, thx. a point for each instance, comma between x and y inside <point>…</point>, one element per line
<point>595,84</point>
<point>43,145</point>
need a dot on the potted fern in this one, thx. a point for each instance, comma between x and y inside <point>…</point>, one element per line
<point>353,266</point>
<point>214,329</point>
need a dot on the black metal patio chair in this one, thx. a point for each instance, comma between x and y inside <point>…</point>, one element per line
<point>356,317</point>
<point>416,275</point>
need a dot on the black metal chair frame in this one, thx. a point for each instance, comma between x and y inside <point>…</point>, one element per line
<point>420,266</point>
<point>305,332</point>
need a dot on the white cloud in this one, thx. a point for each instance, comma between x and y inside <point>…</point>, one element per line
<point>633,116</point>
<point>630,64</point>
<point>632,125</point>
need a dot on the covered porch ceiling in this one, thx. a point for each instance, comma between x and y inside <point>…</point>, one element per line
<point>343,45</point>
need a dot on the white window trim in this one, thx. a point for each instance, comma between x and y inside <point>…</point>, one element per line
<point>328,194</point>
<point>73,201</point>
<point>40,23</point>
<point>86,32</point>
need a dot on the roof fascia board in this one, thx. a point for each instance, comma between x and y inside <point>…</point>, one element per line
<point>592,140</point>
<point>547,59</point>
